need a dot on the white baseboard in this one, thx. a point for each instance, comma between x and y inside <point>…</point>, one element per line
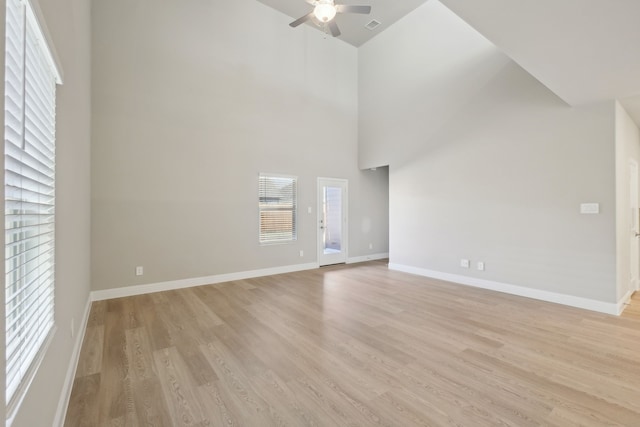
<point>63,403</point>
<point>570,300</point>
<point>372,257</point>
<point>128,291</point>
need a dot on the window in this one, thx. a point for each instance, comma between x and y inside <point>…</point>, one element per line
<point>29,165</point>
<point>277,202</point>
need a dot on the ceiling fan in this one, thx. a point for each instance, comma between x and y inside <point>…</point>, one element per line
<point>325,10</point>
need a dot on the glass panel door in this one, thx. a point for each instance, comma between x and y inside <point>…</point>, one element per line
<point>332,221</point>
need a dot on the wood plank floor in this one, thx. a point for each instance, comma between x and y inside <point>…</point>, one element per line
<point>633,309</point>
<point>354,345</point>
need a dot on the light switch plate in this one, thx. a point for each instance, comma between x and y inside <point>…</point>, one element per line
<point>589,208</point>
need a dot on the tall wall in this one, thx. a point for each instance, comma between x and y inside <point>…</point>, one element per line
<point>191,100</point>
<point>68,24</point>
<point>486,163</point>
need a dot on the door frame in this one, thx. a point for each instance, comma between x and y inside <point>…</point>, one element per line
<point>321,182</point>
<point>634,196</point>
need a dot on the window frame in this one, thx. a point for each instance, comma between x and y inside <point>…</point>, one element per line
<point>31,37</point>
<point>294,210</point>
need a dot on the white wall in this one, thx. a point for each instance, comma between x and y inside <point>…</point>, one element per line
<point>433,64</point>
<point>485,162</point>
<point>191,100</point>
<point>627,147</point>
<point>68,23</point>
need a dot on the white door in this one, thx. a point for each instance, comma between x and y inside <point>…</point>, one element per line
<point>332,221</point>
<point>634,253</point>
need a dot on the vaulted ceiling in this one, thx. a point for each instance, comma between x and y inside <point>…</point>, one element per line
<point>352,26</point>
<point>583,50</point>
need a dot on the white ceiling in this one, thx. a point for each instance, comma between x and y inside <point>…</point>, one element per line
<point>352,25</point>
<point>583,50</point>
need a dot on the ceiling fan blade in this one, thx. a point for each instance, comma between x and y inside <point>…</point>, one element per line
<point>347,8</point>
<point>301,20</point>
<point>335,31</point>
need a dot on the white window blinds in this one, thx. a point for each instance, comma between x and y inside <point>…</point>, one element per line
<point>29,164</point>
<point>277,202</point>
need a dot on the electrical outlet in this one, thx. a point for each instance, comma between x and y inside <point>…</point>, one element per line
<point>480,266</point>
<point>301,253</point>
<point>464,263</point>
<point>139,270</point>
<point>370,245</point>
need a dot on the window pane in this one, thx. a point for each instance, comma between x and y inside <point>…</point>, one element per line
<point>30,89</point>
<point>277,205</point>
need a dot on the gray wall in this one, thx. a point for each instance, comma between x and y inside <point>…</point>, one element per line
<point>191,100</point>
<point>485,162</point>
<point>68,23</point>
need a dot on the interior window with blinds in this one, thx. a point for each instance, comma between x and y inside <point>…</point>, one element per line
<point>29,167</point>
<point>277,202</point>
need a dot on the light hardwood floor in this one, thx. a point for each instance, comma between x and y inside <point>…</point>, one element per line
<point>633,310</point>
<point>354,345</point>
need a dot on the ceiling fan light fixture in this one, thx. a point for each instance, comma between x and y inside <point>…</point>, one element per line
<point>325,12</point>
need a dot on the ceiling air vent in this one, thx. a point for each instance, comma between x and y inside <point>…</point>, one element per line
<point>372,25</point>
